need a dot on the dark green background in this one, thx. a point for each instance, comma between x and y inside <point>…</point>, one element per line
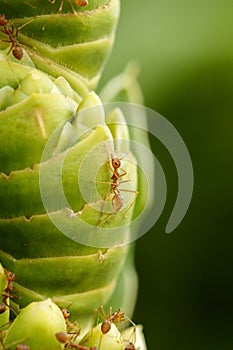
<point>185,48</point>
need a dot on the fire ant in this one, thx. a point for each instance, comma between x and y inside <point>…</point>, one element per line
<point>65,339</point>
<point>117,199</point>
<point>77,2</point>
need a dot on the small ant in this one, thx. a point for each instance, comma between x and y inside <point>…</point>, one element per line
<point>117,199</point>
<point>72,328</point>
<point>8,290</point>
<point>77,2</point>
<point>17,50</point>
<point>118,317</point>
<point>65,339</point>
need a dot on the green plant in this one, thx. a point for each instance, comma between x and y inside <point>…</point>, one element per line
<point>51,124</point>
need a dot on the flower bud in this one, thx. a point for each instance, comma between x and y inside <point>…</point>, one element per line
<point>36,326</point>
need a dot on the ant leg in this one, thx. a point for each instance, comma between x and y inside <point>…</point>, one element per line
<point>132,202</point>
<point>132,338</point>
<point>95,317</point>
<point>123,172</point>
<point>23,25</point>
<point>72,6</point>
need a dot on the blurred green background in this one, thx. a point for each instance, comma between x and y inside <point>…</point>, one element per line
<point>185,48</point>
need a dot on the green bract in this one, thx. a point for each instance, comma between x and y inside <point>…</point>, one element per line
<point>36,326</point>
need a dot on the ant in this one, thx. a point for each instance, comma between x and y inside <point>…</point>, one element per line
<point>118,317</point>
<point>65,339</point>
<point>118,173</point>
<point>17,50</point>
<point>72,328</point>
<point>77,2</point>
<point>8,290</point>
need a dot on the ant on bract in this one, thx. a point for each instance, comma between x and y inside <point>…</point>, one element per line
<point>68,343</point>
<point>7,292</point>
<point>12,34</point>
<point>115,191</point>
<point>77,3</point>
<point>118,318</point>
<point>73,330</point>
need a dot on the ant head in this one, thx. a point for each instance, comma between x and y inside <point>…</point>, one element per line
<point>116,163</point>
<point>66,313</point>
<point>10,275</point>
<point>3,20</point>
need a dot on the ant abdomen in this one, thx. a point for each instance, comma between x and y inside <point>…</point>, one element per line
<point>17,52</point>
<point>105,326</point>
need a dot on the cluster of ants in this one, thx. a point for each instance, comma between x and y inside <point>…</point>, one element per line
<point>118,317</point>
<point>73,330</point>
<point>7,293</point>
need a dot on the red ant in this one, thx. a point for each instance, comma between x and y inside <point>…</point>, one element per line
<point>17,50</point>
<point>65,339</point>
<point>72,328</point>
<point>118,317</point>
<point>117,199</point>
<point>8,290</point>
<point>77,2</point>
